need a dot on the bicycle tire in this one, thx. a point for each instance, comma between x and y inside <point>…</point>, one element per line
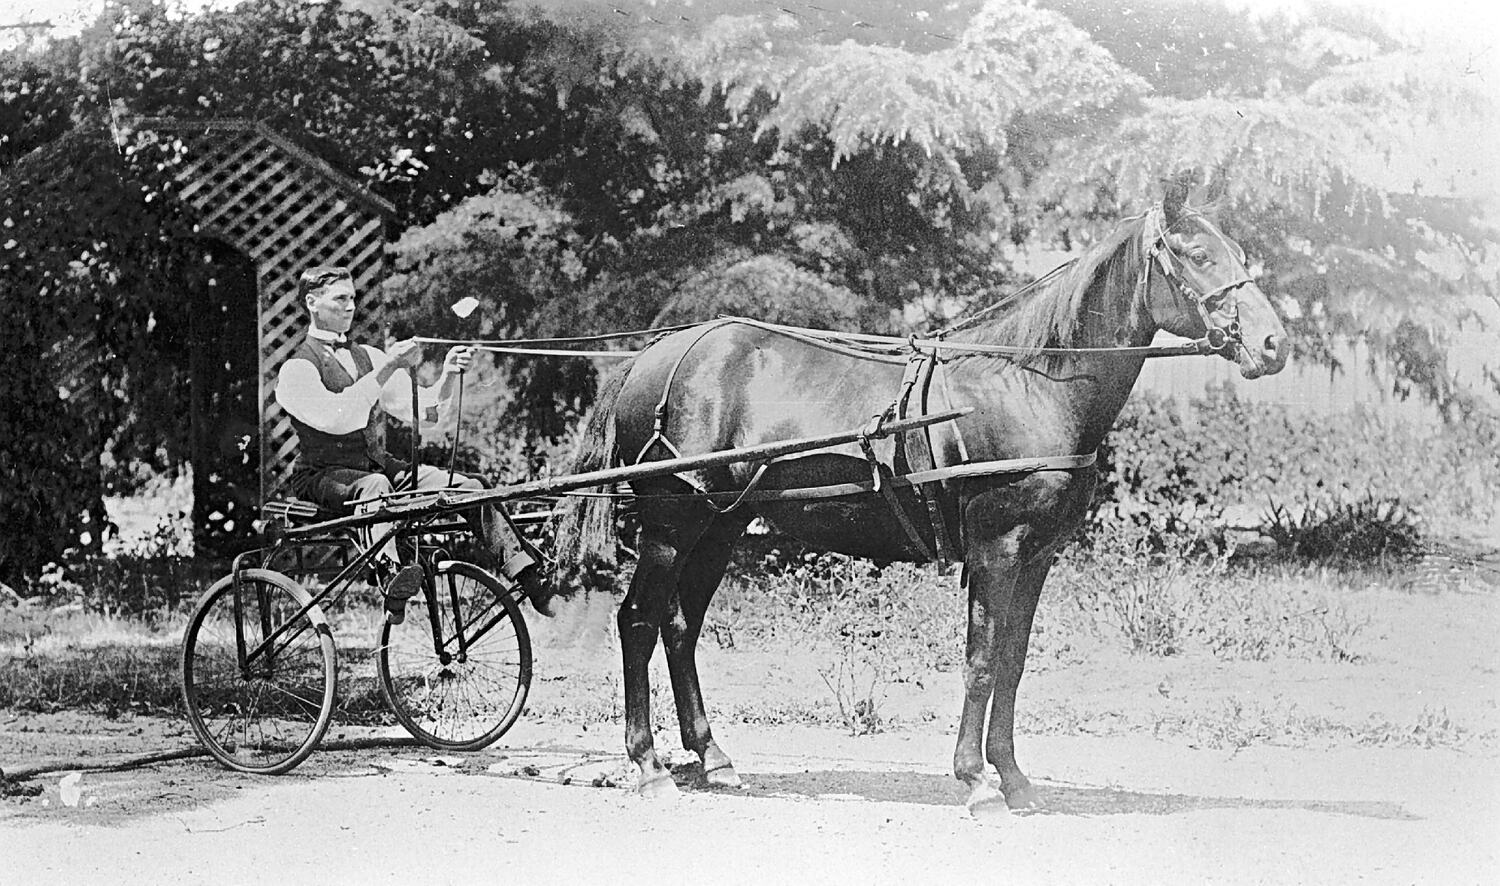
<point>466,698</point>
<point>267,717</point>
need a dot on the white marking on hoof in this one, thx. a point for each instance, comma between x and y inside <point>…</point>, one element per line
<point>659,787</point>
<point>988,804</point>
<point>723,777</point>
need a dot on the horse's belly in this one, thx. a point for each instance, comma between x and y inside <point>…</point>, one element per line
<point>861,524</point>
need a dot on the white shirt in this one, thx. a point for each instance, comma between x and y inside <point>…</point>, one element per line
<point>300,391</point>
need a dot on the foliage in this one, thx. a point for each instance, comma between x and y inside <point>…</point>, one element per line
<point>401,99</point>
<point>511,250</point>
<point>855,677</point>
<point>1174,601</point>
<point>34,101</point>
<point>1031,124</point>
<point>1174,469</point>
<point>81,359</point>
<point>1167,475</point>
<point>1320,125</point>
<point>579,169</point>
<point>879,626</point>
<point>1370,530</point>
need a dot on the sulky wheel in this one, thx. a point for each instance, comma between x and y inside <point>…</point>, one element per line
<point>258,673</point>
<point>457,670</point>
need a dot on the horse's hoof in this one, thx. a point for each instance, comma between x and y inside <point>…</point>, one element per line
<point>722,777</point>
<point>1022,796</point>
<point>987,804</point>
<point>659,787</point>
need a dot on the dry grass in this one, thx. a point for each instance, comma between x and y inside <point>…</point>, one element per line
<point>65,657</point>
<point>865,648</point>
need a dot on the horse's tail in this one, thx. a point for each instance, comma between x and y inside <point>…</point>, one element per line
<point>585,525</point>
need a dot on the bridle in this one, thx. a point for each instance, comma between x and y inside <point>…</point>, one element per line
<point>1160,254</point>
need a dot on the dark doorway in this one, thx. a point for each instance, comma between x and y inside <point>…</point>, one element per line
<point>224,396</point>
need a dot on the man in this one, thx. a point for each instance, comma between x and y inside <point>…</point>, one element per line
<point>338,394</point>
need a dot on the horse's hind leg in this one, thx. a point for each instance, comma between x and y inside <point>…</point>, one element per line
<point>664,550</point>
<point>680,631</point>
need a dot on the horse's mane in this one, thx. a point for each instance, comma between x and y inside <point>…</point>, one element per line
<point>1054,312</point>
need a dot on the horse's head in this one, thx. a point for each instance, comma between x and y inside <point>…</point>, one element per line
<point>1199,287</point>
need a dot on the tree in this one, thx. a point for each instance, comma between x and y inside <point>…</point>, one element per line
<point>892,172</point>
<point>1319,127</point>
<point>588,166</point>
<point>89,237</point>
<point>35,100</point>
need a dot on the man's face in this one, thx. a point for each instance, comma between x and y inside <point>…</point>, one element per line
<point>332,306</point>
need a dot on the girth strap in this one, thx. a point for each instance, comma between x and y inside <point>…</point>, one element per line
<point>888,490</point>
<point>917,450</point>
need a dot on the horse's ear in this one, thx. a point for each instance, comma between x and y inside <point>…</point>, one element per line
<point>1214,193</point>
<point>1176,194</point>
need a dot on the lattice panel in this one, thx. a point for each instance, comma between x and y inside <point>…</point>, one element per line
<point>287,210</point>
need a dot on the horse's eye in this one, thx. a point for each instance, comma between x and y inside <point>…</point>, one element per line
<point>1199,256</point>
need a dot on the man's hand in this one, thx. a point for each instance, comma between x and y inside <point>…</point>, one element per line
<point>458,359</point>
<point>405,353</point>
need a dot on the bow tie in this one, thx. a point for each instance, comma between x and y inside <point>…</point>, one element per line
<point>338,344</point>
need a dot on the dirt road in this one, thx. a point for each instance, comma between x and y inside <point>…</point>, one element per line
<point>819,806</point>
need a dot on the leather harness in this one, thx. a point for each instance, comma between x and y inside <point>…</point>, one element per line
<point>917,450</point>
<point>913,466</point>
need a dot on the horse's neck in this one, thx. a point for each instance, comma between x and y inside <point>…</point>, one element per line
<point>1101,406</point>
<point>1126,324</point>
<point>1082,395</point>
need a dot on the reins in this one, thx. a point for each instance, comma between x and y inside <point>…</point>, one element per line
<point>1159,255</point>
<point>863,345</point>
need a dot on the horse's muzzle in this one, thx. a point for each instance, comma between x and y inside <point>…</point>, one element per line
<point>1263,356</point>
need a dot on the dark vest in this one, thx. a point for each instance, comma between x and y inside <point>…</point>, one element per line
<point>319,451</point>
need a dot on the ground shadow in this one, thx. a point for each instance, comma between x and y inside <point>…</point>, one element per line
<point>1057,799</point>
<point>155,790</point>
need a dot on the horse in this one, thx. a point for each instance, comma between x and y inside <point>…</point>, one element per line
<point>1082,334</point>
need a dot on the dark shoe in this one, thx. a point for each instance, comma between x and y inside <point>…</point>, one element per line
<point>527,574</point>
<point>534,585</point>
<point>406,584</point>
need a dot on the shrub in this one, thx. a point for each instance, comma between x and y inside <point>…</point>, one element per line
<point>1178,600</point>
<point>1137,593</point>
<point>1173,470</point>
<point>150,576</point>
<point>1368,530</point>
<point>1165,469</point>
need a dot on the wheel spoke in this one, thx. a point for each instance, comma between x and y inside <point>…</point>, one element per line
<point>268,715</point>
<point>470,701</point>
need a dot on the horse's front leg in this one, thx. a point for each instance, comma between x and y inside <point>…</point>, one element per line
<point>1012,641</point>
<point>652,589</point>
<point>695,588</point>
<point>990,576</point>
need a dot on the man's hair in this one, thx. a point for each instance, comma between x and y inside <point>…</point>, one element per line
<point>314,279</point>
